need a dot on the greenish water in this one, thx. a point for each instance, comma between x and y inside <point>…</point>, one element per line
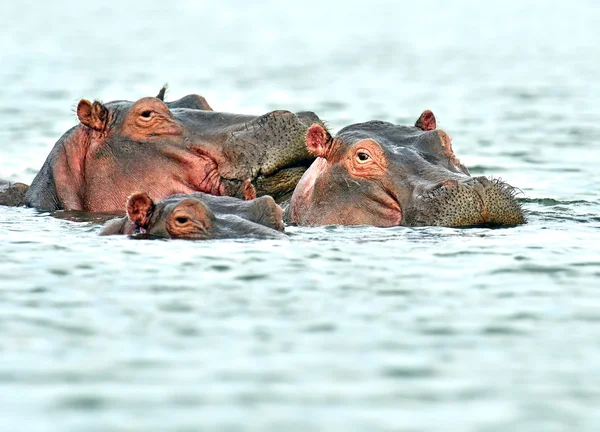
<point>336,328</point>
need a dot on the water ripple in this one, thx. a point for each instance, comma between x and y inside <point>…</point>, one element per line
<point>339,328</point>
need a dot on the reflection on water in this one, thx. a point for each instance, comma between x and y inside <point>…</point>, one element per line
<point>335,328</point>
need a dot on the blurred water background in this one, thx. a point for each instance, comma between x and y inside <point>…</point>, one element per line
<point>335,329</point>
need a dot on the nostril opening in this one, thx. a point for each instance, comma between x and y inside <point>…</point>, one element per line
<point>270,212</point>
<point>484,181</point>
<point>442,186</point>
<point>445,184</point>
<point>449,183</point>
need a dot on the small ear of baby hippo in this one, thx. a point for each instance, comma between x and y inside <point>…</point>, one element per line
<point>426,121</point>
<point>139,209</point>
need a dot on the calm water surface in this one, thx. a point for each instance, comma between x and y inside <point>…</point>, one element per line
<point>345,329</point>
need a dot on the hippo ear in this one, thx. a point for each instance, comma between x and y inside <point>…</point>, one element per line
<point>427,121</point>
<point>318,140</point>
<point>161,93</point>
<point>139,209</point>
<point>94,115</point>
<point>249,190</point>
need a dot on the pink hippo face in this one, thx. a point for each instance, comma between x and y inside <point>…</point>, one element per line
<point>121,147</point>
<point>377,173</point>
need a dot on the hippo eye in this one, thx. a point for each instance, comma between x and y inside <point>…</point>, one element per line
<point>363,157</point>
<point>146,114</point>
<point>182,220</point>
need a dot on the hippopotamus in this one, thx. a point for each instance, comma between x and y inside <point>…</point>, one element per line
<point>167,148</point>
<point>12,194</point>
<point>381,174</point>
<point>198,216</point>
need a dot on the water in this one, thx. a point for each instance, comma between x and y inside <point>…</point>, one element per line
<point>349,329</point>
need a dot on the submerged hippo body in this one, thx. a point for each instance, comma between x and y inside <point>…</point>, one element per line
<point>377,173</point>
<point>198,216</point>
<point>121,147</point>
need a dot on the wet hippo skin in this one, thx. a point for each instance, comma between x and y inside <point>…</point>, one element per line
<point>198,216</point>
<point>378,173</point>
<point>166,148</point>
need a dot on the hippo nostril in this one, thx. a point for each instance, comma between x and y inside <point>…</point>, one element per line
<point>443,185</point>
<point>449,183</point>
<point>484,181</point>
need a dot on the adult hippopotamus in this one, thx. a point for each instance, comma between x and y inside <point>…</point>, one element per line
<point>183,146</point>
<point>378,173</point>
<point>198,216</point>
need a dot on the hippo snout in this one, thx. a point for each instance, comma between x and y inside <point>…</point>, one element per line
<point>476,201</point>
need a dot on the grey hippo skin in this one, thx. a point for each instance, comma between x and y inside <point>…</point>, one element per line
<point>198,216</point>
<point>381,174</point>
<point>166,148</point>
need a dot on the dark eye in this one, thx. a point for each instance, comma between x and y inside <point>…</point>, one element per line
<point>182,219</point>
<point>363,157</point>
<point>146,114</point>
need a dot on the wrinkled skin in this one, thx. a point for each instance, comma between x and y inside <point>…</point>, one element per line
<point>121,147</point>
<point>198,216</point>
<point>381,174</point>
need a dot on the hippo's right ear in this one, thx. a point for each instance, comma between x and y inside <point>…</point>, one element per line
<point>318,140</point>
<point>162,92</point>
<point>426,121</point>
<point>139,209</point>
<point>94,116</point>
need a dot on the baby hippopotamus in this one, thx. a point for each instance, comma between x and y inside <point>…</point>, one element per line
<point>198,216</point>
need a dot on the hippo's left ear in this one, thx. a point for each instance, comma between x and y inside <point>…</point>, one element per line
<point>94,116</point>
<point>139,209</point>
<point>426,121</point>
<point>318,140</point>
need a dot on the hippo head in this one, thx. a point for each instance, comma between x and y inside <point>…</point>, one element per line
<point>377,173</point>
<point>198,216</point>
<point>168,148</point>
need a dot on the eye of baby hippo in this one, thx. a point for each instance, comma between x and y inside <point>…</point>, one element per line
<point>146,114</point>
<point>186,213</point>
<point>182,220</point>
<point>191,219</point>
